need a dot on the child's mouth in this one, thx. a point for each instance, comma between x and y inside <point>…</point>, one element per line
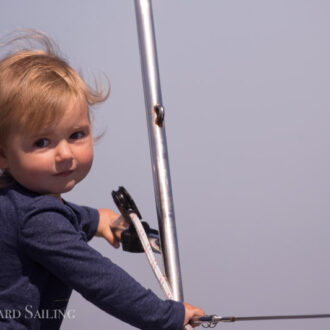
<point>64,173</point>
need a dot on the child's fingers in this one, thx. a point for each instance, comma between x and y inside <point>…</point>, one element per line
<point>117,232</point>
<point>192,312</point>
<point>118,226</point>
<point>111,238</point>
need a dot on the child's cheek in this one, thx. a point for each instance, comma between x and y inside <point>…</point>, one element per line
<point>86,160</point>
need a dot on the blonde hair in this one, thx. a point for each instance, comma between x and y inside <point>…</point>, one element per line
<point>36,86</point>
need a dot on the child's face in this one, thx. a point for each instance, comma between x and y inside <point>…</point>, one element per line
<point>55,159</point>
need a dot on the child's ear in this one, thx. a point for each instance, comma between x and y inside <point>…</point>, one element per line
<point>3,159</point>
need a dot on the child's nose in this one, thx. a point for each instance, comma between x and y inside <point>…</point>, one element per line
<point>63,152</point>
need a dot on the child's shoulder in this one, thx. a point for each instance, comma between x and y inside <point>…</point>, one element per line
<point>20,196</point>
<point>23,207</point>
<point>23,202</point>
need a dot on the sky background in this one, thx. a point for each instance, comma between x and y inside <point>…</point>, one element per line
<point>246,87</point>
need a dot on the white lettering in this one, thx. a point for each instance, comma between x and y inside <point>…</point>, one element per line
<point>10,314</point>
<point>44,313</point>
<point>28,311</point>
<point>71,314</point>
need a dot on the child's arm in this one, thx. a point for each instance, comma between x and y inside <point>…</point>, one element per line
<point>48,238</point>
<point>102,222</point>
<point>110,226</point>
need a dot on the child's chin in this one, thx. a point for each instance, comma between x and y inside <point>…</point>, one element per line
<point>68,188</point>
<point>64,189</point>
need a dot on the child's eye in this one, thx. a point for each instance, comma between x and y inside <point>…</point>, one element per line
<point>77,135</point>
<point>41,143</point>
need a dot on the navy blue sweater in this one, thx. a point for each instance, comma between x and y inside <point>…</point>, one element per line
<point>44,255</point>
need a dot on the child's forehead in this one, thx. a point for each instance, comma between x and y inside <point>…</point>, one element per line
<point>75,107</point>
<point>73,114</point>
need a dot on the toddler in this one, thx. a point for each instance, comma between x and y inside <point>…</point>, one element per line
<point>46,148</point>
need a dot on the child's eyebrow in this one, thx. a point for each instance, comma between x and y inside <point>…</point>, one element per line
<point>50,131</point>
<point>79,127</point>
<point>38,134</point>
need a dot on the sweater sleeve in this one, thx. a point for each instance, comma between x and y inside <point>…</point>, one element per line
<point>88,218</point>
<point>51,240</point>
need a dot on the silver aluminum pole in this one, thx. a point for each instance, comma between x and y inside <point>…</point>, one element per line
<point>158,146</point>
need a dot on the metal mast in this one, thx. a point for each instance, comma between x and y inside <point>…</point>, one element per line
<point>158,145</point>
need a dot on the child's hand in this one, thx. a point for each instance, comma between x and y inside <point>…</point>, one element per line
<point>111,226</point>
<point>191,313</point>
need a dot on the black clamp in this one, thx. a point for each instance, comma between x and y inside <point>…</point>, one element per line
<point>125,203</point>
<point>129,237</point>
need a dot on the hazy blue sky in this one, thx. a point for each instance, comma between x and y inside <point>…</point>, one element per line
<point>246,86</point>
